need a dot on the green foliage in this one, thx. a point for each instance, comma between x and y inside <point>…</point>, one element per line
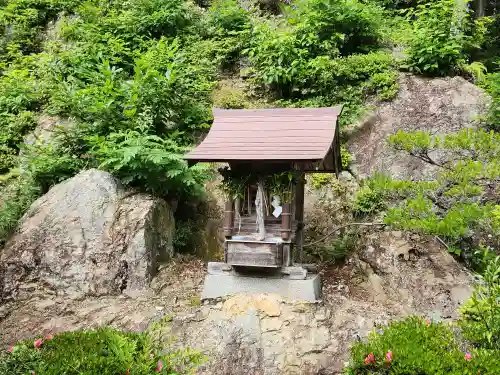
<point>17,194</point>
<point>229,96</point>
<point>345,26</point>
<point>333,250</point>
<point>165,92</point>
<point>419,347</point>
<point>104,352</point>
<point>281,185</point>
<point>368,201</point>
<point>346,157</point>
<point>23,22</point>
<point>19,97</point>
<point>477,70</point>
<point>438,42</point>
<point>384,84</point>
<point>48,165</point>
<point>480,316</point>
<point>318,180</point>
<point>228,15</point>
<point>322,49</point>
<point>492,85</point>
<point>8,159</point>
<point>460,205</point>
<point>112,67</point>
<point>142,160</point>
<point>234,183</point>
<point>229,26</point>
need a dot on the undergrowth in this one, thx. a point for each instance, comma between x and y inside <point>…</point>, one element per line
<point>104,351</point>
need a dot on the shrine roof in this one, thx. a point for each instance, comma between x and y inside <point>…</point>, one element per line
<point>282,134</point>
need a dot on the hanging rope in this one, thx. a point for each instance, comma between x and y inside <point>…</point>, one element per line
<point>259,207</point>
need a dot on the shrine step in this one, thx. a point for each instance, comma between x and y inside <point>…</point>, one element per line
<point>217,286</point>
<point>293,273</point>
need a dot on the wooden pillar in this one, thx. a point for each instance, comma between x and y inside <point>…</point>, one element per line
<point>299,216</point>
<point>286,221</point>
<point>228,219</point>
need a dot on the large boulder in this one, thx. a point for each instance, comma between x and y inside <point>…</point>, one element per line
<point>438,105</point>
<point>86,236</point>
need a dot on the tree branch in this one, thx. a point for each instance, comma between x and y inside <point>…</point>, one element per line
<point>343,227</point>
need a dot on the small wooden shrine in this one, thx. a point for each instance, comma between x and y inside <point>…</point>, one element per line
<point>268,152</point>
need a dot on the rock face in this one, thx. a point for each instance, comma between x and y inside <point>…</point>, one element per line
<point>439,105</point>
<point>414,273</point>
<point>258,335</point>
<point>46,128</point>
<point>391,276</point>
<point>86,236</point>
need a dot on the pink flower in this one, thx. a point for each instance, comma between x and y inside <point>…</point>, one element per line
<point>38,343</point>
<point>159,366</point>
<point>388,356</point>
<point>127,372</point>
<point>33,373</point>
<point>49,337</point>
<point>11,349</point>
<point>370,358</point>
<point>468,356</point>
<point>428,322</point>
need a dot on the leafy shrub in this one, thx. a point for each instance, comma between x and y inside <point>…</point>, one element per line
<point>15,198</point>
<point>301,57</point>
<point>23,21</point>
<point>346,157</point>
<point>492,85</point>
<point>415,346</point>
<point>228,15</point>
<point>477,70</point>
<point>8,159</point>
<point>333,250</point>
<point>19,97</point>
<point>459,205</point>
<point>111,67</point>
<point>368,201</point>
<point>104,352</point>
<point>229,27</point>
<point>229,96</point>
<point>143,160</point>
<point>318,180</point>
<point>439,40</point>
<point>346,26</point>
<point>480,316</point>
<point>48,165</point>
<point>384,84</point>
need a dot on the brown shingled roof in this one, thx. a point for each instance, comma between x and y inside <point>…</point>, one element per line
<point>290,134</point>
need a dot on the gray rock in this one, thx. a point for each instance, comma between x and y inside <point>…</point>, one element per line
<point>420,276</point>
<point>86,236</point>
<point>439,105</point>
<point>46,128</point>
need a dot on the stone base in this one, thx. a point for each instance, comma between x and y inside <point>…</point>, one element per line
<point>308,290</point>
